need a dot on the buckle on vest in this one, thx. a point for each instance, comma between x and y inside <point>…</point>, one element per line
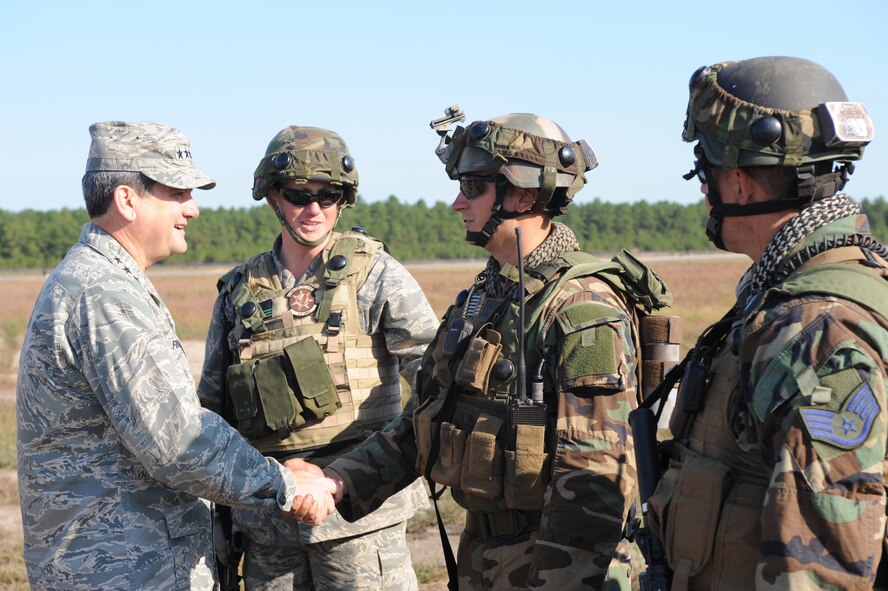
<point>334,322</point>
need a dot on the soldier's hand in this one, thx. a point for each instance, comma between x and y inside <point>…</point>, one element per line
<point>296,465</point>
<point>314,500</point>
<point>337,483</point>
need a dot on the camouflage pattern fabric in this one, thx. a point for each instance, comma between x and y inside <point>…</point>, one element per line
<point>158,151</point>
<point>303,154</point>
<point>391,302</point>
<point>114,449</point>
<point>374,561</point>
<point>814,373</point>
<point>592,476</point>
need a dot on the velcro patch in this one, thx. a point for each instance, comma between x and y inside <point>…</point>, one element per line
<point>850,426</point>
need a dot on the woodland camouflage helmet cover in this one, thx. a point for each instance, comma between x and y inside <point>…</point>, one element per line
<point>771,111</point>
<point>529,151</point>
<point>303,154</point>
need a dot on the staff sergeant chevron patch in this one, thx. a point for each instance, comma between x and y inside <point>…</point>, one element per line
<point>847,428</point>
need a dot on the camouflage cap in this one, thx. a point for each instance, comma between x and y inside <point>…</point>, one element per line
<point>158,151</point>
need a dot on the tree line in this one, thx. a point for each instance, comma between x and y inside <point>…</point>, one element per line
<point>39,239</point>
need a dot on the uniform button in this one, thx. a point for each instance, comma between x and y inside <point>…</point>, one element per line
<point>338,262</point>
<point>247,310</point>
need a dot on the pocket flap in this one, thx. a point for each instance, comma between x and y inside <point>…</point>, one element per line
<point>694,514</point>
<point>275,393</point>
<point>313,377</point>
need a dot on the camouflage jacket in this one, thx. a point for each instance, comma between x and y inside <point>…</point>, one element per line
<point>389,302</point>
<point>591,475</point>
<point>114,449</point>
<point>813,373</point>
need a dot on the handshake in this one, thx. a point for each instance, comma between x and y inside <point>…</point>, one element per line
<point>317,492</point>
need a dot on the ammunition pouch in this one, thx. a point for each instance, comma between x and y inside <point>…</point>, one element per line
<point>482,353</point>
<point>477,460</point>
<point>278,394</point>
<point>697,511</point>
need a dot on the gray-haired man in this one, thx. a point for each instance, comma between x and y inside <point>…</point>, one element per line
<point>114,449</point>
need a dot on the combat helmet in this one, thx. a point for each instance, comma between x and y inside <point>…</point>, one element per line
<point>526,151</point>
<point>304,154</point>
<point>774,111</point>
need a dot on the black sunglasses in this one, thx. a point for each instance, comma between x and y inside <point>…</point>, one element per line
<point>302,198</point>
<point>473,186</point>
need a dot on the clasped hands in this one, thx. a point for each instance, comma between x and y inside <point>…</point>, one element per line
<point>317,492</point>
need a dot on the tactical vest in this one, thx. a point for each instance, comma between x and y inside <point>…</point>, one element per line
<point>306,376</point>
<point>472,432</point>
<point>707,508</point>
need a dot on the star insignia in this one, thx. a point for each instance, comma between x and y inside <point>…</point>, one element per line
<point>850,426</point>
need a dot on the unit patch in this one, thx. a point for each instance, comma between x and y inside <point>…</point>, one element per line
<point>847,428</point>
<point>302,300</point>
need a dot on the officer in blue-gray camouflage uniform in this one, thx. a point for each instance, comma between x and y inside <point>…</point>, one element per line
<point>114,449</point>
<point>304,355</point>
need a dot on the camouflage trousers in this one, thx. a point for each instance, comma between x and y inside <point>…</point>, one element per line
<point>503,563</point>
<point>377,561</point>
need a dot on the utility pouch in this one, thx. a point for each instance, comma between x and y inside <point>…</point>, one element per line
<point>424,425</point>
<point>694,381</point>
<point>527,468</point>
<point>448,467</point>
<point>482,470</point>
<point>315,384</point>
<point>245,401</point>
<point>263,402</point>
<point>685,510</point>
<point>473,372</point>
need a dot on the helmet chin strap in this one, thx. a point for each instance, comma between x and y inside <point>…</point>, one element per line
<point>498,216</point>
<point>299,239</point>
<point>809,187</point>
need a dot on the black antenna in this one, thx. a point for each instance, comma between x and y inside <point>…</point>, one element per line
<point>522,369</point>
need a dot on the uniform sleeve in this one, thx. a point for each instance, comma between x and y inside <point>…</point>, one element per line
<point>141,378</point>
<point>392,301</point>
<point>380,467</point>
<point>813,372</point>
<point>593,475</point>
<point>211,389</point>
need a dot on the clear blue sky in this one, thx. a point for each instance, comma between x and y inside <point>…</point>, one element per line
<point>231,74</point>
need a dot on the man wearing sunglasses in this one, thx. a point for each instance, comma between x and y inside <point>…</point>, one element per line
<point>776,477</point>
<point>305,356</point>
<point>527,425</point>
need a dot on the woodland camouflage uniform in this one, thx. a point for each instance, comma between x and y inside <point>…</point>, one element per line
<point>546,502</point>
<point>776,476</point>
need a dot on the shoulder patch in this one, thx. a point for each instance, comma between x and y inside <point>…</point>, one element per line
<point>850,426</point>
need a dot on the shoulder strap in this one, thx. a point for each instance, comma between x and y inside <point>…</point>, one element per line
<point>236,283</point>
<point>847,281</point>
<point>348,259</point>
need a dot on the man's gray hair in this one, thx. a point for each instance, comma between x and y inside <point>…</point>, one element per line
<point>98,188</point>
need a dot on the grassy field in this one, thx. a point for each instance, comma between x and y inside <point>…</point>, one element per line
<point>703,289</point>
